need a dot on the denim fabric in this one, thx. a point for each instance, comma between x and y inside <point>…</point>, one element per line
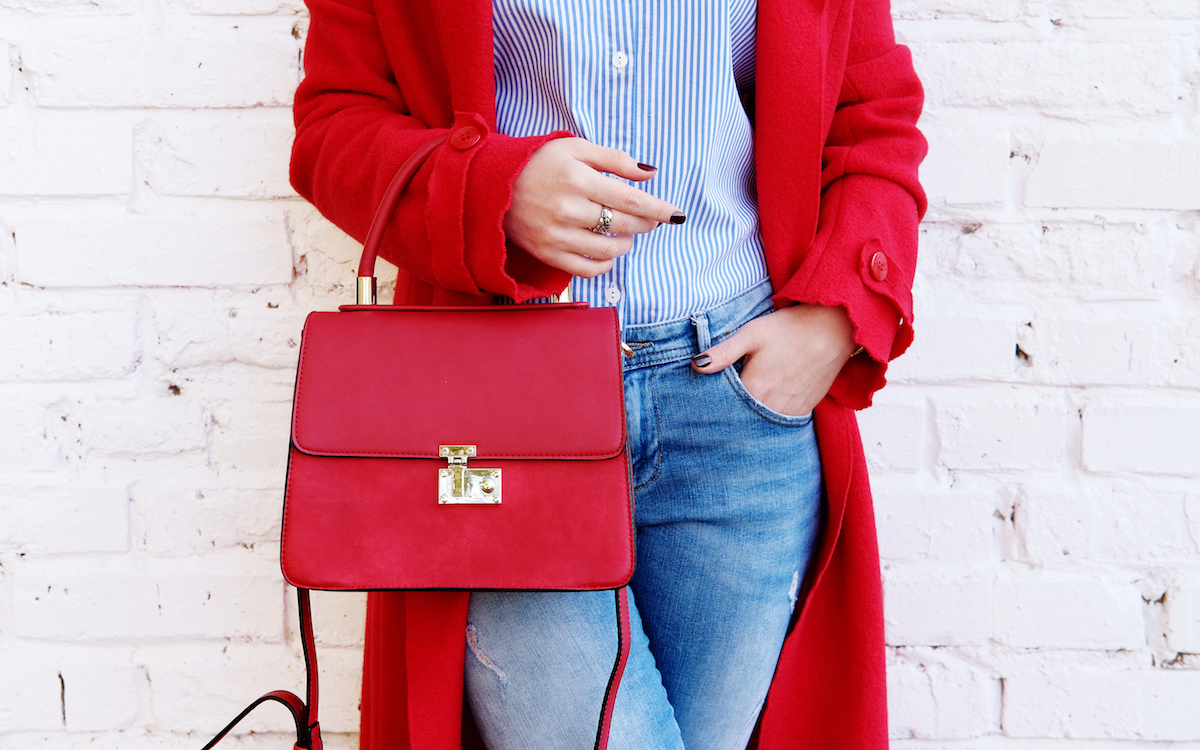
<point>727,503</point>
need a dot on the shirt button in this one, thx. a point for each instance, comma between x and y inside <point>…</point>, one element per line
<point>613,295</point>
<point>879,266</point>
<point>620,60</point>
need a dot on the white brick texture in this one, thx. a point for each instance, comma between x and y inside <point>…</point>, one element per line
<point>1020,429</point>
<point>1035,459</point>
<point>5,74</point>
<point>1152,705</point>
<point>183,242</point>
<point>1057,72</point>
<point>188,61</point>
<point>933,696</point>
<point>1151,435</point>
<point>76,346</point>
<point>68,517</point>
<point>65,153</point>
<point>1127,174</point>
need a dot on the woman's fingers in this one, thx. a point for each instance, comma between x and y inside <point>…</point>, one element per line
<point>616,194</point>
<point>560,195</point>
<point>620,223</point>
<point>724,353</point>
<point>586,257</point>
<point>631,201</point>
<point>792,356</point>
<point>604,159</point>
<point>576,250</point>
<point>579,265</point>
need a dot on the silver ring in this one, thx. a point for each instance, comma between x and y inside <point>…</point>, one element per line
<point>605,222</point>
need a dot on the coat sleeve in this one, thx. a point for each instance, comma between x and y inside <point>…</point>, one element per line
<point>864,255</point>
<point>355,127</point>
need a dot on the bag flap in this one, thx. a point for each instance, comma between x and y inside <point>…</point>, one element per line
<point>538,382</point>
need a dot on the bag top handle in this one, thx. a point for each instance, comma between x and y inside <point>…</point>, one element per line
<point>365,290</point>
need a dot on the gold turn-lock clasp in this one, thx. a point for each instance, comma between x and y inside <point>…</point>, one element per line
<point>458,485</point>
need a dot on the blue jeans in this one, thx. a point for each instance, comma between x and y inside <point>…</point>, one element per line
<point>727,504</point>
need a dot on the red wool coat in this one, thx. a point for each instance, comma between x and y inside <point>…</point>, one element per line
<point>834,108</point>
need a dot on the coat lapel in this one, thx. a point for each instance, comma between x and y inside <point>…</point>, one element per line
<point>788,88</point>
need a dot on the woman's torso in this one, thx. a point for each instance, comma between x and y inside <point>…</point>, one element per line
<point>659,80</point>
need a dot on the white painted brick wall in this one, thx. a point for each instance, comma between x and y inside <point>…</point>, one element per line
<point>175,60</point>
<point>1036,459</point>
<point>6,79</point>
<point>176,242</point>
<point>1143,705</point>
<point>1168,429</point>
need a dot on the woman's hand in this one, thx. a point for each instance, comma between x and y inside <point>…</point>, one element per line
<point>791,356</point>
<point>557,199</point>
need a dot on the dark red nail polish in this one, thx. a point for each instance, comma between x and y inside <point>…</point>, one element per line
<point>647,167</point>
<point>678,217</point>
<point>702,360</point>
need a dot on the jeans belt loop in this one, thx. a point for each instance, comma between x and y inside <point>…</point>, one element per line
<point>703,337</point>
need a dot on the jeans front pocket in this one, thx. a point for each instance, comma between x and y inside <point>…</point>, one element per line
<point>734,377</point>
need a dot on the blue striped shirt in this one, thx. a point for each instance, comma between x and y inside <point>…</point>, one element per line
<point>659,80</point>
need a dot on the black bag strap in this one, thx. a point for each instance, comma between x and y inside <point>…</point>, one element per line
<point>304,713</point>
<point>624,637</point>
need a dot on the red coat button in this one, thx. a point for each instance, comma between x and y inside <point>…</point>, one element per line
<point>465,137</point>
<point>879,266</point>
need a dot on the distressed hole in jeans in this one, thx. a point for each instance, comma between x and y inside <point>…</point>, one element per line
<point>794,591</point>
<point>473,644</point>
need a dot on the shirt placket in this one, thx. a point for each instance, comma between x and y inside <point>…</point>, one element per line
<point>622,30</point>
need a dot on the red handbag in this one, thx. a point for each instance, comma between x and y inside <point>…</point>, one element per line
<point>455,448</point>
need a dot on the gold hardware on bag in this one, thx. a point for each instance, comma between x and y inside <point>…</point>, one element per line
<point>563,296</point>
<point>458,485</point>
<point>364,292</point>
